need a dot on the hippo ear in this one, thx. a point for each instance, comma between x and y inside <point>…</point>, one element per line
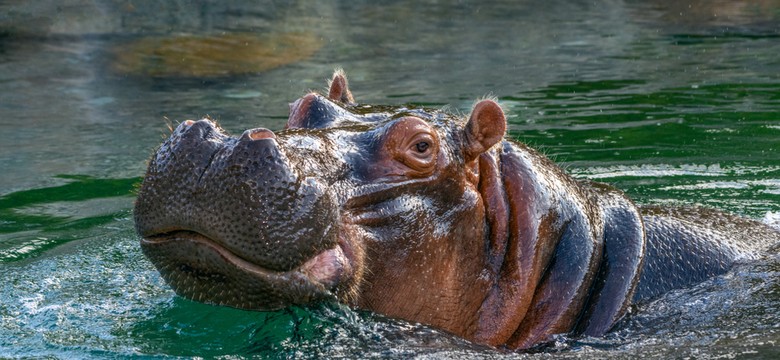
<point>485,128</point>
<point>338,88</point>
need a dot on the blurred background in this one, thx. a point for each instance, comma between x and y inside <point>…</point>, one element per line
<point>676,102</point>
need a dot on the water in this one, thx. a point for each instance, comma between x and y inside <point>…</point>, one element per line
<point>674,104</point>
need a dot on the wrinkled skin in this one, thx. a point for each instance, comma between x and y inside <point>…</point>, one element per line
<point>418,215</point>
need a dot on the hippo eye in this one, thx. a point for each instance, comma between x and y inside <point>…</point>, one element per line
<point>422,146</point>
<point>413,146</point>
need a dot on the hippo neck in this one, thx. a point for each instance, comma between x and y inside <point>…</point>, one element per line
<point>505,306</point>
<point>530,205</point>
<point>491,188</point>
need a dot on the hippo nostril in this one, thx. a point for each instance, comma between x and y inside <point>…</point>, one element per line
<point>258,134</point>
<point>184,126</point>
<point>201,129</point>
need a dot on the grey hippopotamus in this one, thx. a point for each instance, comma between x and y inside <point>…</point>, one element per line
<point>420,215</point>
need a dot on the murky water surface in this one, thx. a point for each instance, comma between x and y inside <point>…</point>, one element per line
<point>674,102</point>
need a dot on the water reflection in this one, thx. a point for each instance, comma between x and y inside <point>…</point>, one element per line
<point>703,16</point>
<point>36,220</point>
<point>226,54</point>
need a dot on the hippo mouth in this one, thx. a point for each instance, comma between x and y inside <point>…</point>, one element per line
<point>201,269</point>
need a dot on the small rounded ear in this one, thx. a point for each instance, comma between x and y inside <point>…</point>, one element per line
<point>338,88</point>
<point>485,128</point>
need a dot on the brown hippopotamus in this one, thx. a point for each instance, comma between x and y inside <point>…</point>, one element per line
<point>419,215</point>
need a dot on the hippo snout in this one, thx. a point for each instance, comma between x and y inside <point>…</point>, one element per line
<point>234,200</point>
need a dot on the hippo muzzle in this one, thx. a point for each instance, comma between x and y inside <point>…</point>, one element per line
<point>232,221</point>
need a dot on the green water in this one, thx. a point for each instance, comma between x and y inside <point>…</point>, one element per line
<point>674,104</point>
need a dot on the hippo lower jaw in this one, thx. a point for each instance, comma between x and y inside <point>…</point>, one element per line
<point>199,268</point>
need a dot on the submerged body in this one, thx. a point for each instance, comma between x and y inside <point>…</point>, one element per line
<point>416,215</point>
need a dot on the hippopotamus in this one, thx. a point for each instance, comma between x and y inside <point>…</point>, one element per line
<point>420,215</point>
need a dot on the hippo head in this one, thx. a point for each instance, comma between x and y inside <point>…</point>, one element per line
<point>376,207</point>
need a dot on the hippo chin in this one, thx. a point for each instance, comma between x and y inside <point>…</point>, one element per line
<point>418,215</point>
